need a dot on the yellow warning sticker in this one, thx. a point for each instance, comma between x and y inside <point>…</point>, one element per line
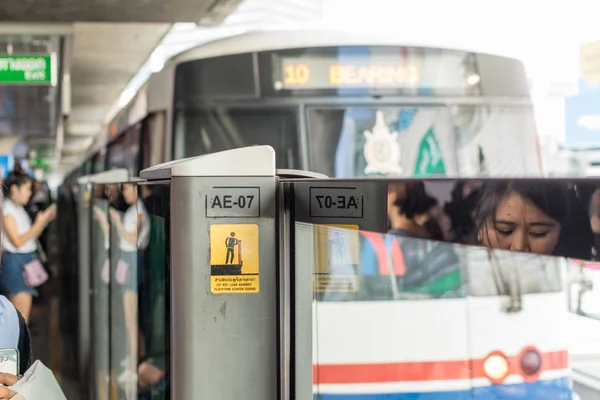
<point>337,258</point>
<point>234,262</point>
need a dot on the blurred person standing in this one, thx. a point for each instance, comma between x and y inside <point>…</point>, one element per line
<point>19,240</point>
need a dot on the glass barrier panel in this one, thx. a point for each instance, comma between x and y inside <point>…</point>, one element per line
<point>155,294</point>
<point>393,313</point>
<point>100,261</point>
<point>583,282</point>
<point>129,239</point>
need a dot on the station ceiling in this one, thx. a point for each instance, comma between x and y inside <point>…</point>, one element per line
<point>169,11</point>
<point>105,58</point>
<point>103,43</point>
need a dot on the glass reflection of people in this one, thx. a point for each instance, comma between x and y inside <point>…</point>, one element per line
<point>409,211</point>
<point>405,202</point>
<point>133,230</point>
<point>154,366</point>
<point>461,210</point>
<point>432,217</point>
<point>100,258</point>
<point>595,217</point>
<point>531,217</point>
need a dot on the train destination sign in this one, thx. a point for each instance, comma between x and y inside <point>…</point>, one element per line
<point>25,69</point>
<point>334,72</point>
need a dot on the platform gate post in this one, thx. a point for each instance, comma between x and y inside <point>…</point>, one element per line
<point>343,207</point>
<point>86,300</point>
<point>223,303</point>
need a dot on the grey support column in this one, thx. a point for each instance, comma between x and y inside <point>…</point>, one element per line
<point>223,275</point>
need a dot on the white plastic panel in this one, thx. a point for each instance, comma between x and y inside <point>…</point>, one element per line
<point>112,176</point>
<point>245,161</point>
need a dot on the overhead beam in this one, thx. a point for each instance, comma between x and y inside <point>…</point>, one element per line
<point>77,128</point>
<point>7,144</point>
<point>41,29</point>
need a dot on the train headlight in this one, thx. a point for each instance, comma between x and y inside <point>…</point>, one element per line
<point>531,363</point>
<point>496,367</point>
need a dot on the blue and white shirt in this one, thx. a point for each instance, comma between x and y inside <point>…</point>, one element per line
<point>14,333</point>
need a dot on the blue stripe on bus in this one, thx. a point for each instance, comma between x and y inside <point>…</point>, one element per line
<point>553,389</point>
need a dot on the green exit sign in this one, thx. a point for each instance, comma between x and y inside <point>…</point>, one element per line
<point>28,70</point>
<point>40,163</point>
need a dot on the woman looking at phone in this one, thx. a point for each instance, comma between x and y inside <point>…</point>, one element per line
<point>19,240</point>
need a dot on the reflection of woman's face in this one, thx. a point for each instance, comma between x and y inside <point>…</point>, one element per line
<point>521,226</point>
<point>130,194</point>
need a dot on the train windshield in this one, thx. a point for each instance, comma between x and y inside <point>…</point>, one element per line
<point>362,111</point>
<point>206,131</point>
<point>475,140</point>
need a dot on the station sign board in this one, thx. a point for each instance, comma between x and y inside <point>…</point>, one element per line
<point>25,69</point>
<point>41,163</point>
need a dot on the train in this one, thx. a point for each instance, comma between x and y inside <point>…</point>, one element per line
<point>346,106</point>
<point>337,103</point>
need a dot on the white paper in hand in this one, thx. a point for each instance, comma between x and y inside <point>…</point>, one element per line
<point>39,383</point>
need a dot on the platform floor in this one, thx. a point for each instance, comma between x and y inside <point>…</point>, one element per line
<point>50,345</point>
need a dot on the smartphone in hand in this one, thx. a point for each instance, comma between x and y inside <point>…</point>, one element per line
<point>9,361</point>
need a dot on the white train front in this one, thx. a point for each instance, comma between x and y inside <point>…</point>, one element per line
<point>476,324</point>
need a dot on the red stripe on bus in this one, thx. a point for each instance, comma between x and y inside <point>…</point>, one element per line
<point>422,371</point>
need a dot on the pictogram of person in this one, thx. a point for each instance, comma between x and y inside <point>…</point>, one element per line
<point>230,243</point>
